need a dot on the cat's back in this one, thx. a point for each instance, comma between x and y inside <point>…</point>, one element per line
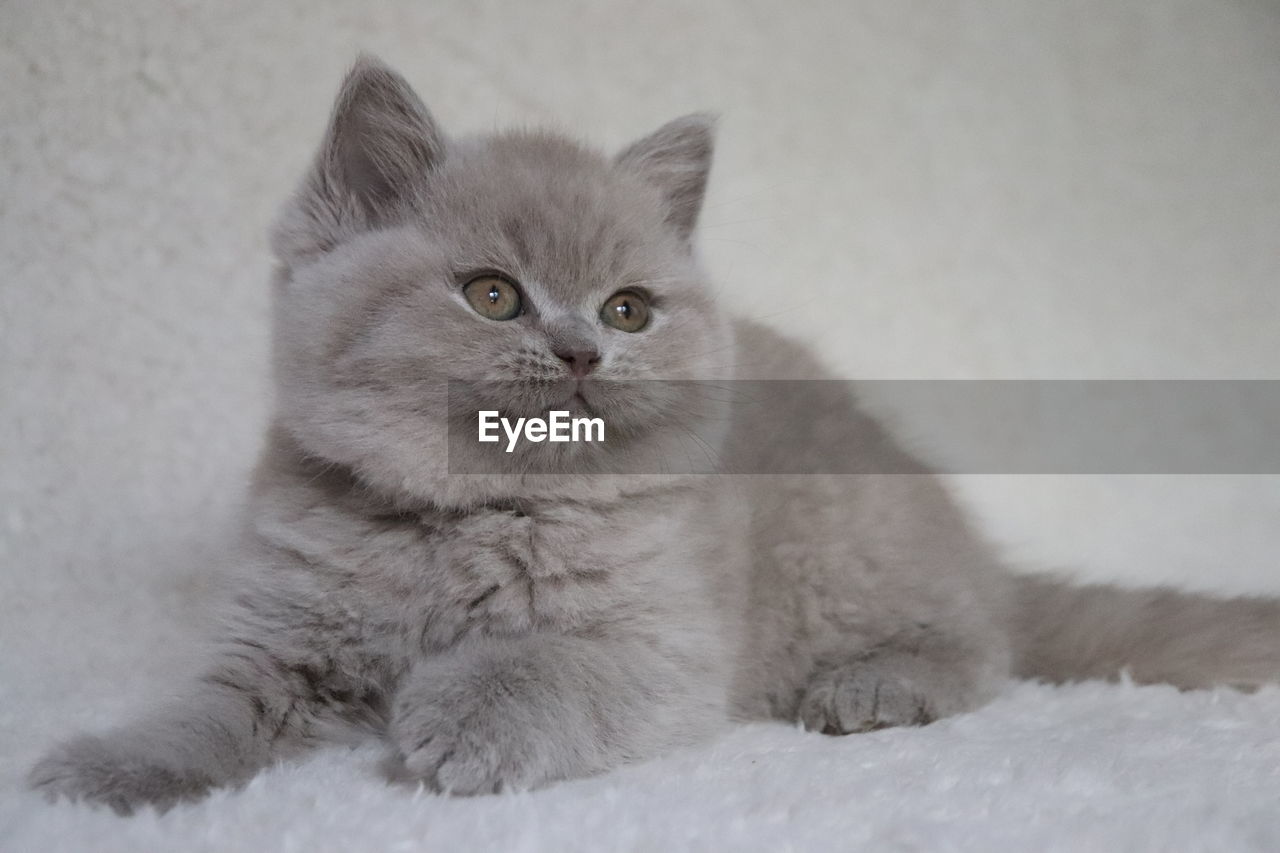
<point>793,416</point>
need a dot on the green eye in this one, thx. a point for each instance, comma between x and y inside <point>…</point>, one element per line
<point>626,310</point>
<point>493,297</point>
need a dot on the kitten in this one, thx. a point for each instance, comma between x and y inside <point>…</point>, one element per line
<point>505,630</point>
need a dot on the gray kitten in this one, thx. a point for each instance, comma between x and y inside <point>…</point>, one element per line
<point>506,630</point>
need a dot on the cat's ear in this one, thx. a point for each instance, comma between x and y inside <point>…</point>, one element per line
<point>676,158</point>
<point>379,146</point>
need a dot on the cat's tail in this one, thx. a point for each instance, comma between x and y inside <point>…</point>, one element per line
<point>1067,632</point>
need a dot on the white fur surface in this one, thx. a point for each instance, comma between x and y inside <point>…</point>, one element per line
<point>1091,767</point>
<point>1087,189</point>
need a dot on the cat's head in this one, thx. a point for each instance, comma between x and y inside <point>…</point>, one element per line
<point>523,260</point>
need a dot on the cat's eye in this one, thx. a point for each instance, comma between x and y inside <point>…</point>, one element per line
<point>493,297</point>
<point>626,310</point>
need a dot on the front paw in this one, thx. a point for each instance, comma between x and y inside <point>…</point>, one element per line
<point>485,731</point>
<point>89,768</point>
<point>863,697</point>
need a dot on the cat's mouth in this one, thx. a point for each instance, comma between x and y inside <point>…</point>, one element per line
<point>578,401</point>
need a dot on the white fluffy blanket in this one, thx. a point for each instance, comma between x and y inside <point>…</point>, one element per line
<point>1004,189</point>
<point>1090,767</point>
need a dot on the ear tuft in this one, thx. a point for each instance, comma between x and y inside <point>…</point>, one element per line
<point>676,158</point>
<point>380,145</point>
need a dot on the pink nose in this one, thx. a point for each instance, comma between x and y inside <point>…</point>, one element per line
<point>580,361</point>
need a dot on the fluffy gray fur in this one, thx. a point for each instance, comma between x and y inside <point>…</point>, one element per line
<point>505,631</point>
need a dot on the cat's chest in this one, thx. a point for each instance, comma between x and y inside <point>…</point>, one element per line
<point>504,572</point>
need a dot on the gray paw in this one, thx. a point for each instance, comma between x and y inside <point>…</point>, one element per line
<point>478,733</point>
<point>864,696</point>
<point>90,769</point>
<point>460,762</point>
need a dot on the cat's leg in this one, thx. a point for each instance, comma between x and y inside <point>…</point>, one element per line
<point>247,710</point>
<point>904,682</point>
<point>512,714</point>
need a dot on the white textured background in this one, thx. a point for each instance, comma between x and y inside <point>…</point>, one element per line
<point>1000,189</point>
